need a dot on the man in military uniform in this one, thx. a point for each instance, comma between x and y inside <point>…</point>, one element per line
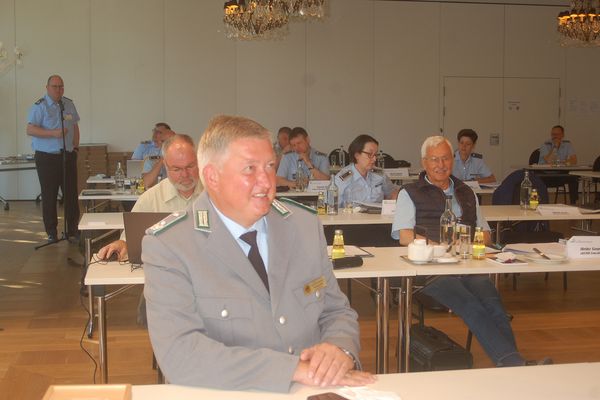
<point>241,294</point>
<point>154,169</point>
<point>282,145</point>
<point>469,166</point>
<point>152,147</point>
<point>357,182</point>
<point>314,163</point>
<point>472,297</point>
<point>559,150</point>
<point>44,126</point>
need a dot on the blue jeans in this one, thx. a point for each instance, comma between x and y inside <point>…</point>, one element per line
<point>475,299</point>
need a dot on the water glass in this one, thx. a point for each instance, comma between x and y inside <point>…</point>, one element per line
<point>463,246</point>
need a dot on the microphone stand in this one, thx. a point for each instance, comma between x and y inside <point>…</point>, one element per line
<point>64,179</point>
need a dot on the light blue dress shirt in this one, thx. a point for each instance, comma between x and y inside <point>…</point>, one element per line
<point>289,164</point>
<point>471,169</point>
<point>565,151</point>
<point>370,189</point>
<point>405,216</point>
<point>145,149</point>
<point>45,113</point>
<point>148,164</point>
<point>237,230</point>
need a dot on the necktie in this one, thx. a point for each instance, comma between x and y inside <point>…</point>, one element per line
<point>255,258</point>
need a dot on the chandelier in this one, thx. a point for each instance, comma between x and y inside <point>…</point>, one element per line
<point>581,24</point>
<point>266,19</point>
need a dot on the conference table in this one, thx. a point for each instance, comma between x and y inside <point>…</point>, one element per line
<point>545,382</point>
<point>17,163</point>
<point>383,265</point>
<point>587,180</point>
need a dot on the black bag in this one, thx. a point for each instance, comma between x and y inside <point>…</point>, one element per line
<point>433,350</point>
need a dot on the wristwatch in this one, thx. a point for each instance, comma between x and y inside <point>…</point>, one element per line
<point>357,365</point>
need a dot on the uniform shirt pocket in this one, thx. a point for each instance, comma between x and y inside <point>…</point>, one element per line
<point>228,320</point>
<point>312,303</point>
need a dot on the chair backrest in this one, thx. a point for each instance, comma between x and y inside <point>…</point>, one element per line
<point>534,157</point>
<point>334,155</point>
<point>509,190</point>
<point>596,166</point>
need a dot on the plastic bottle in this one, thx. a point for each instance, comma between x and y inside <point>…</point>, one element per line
<point>332,197</point>
<point>321,206</point>
<point>525,193</point>
<point>119,178</point>
<point>337,250</point>
<point>534,199</point>
<point>478,245</point>
<point>300,177</point>
<point>447,223</point>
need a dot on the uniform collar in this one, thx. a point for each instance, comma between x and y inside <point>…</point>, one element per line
<point>236,229</point>
<point>449,190</point>
<point>49,100</point>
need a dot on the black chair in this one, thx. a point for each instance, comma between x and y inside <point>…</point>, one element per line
<point>534,157</point>
<point>525,232</point>
<point>335,156</point>
<point>389,162</point>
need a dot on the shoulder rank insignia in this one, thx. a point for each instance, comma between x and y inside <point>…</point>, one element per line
<point>66,98</point>
<point>37,103</point>
<point>476,155</point>
<point>317,152</point>
<point>297,204</point>
<point>347,174</point>
<point>166,222</point>
<point>281,208</point>
<point>201,220</point>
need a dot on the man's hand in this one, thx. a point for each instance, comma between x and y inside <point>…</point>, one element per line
<point>327,364</point>
<point>350,378</point>
<point>118,246</point>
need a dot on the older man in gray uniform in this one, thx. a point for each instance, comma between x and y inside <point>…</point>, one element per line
<point>241,293</point>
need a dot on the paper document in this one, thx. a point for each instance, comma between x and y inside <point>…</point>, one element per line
<point>557,209</point>
<point>548,248</point>
<point>352,251</point>
<point>472,184</point>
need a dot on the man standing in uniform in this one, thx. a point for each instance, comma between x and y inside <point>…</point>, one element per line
<point>44,125</point>
<point>241,294</point>
<point>314,163</point>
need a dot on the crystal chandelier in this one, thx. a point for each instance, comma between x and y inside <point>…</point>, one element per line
<point>267,19</point>
<point>255,19</point>
<point>581,24</point>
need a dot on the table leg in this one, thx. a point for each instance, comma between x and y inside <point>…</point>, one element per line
<point>498,229</point>
<point>102,349</point>
<point>382,317</point>
<point>404,324</point>
<point>86,262</point>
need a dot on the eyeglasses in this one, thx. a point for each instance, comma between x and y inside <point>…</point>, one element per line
<point>188,169</point>
<point>370,155</point>
<point>57,86</point>
<point>436,160</point>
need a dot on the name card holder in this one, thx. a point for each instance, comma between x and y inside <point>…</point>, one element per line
<point>583,247</point>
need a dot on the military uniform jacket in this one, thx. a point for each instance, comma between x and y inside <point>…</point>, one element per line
<point>211,320</point>
<point>471,169</point>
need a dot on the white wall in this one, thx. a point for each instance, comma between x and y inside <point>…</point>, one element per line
<point>371,66</point>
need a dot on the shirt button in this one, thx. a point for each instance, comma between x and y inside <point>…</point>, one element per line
<point>291,350</point>
<point>318,294</point>
<point>224,313</point>
<point>282,320</point>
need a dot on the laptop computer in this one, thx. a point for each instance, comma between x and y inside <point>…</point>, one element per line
<point>136,224</point>
<point>135,168</point>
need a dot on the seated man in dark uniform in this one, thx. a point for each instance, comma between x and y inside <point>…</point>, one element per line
<point>472,297</point>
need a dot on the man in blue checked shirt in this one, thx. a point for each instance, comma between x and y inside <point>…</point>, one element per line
<point>44,127</point>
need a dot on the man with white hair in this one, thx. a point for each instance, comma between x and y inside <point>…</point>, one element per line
<point>241,294</point>
<point>472,297</point>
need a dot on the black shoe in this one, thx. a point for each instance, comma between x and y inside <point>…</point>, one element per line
<point>52,238</point>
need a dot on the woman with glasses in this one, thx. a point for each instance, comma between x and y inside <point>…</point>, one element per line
<point>357,182</point>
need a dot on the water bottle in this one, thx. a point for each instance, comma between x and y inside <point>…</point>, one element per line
<point>478,244</point>
<point>380,160</point>
<point>300,177</point>
<point>342,156</point>
<point>447,224</point>
<point>337,250</point>
<point>332,197</point>
<point>525,193</point>
<point>321,204</point>
<point>119,178</point>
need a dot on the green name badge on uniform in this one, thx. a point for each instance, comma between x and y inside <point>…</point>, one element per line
<point>315,285</point>
<point>201,221</point>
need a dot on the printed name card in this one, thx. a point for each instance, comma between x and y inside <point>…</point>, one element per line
<point>317,186</point>
<point>388,207</point>
<point>583,247</point>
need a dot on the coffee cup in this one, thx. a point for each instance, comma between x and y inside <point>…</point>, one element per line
<point>439,250</point>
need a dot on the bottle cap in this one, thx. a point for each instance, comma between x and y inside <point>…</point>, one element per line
<point>339,232</point>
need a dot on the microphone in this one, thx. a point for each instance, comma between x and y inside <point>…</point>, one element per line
<point>61,105</point>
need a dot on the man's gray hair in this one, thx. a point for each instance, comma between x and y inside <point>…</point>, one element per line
<point>433,141</point>
<point>221,131</point>
<point>178,137</point>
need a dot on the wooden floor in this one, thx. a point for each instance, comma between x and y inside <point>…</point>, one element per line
<point>42,319</point>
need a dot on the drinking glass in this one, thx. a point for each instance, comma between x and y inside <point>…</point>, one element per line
<point>463,247</point>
